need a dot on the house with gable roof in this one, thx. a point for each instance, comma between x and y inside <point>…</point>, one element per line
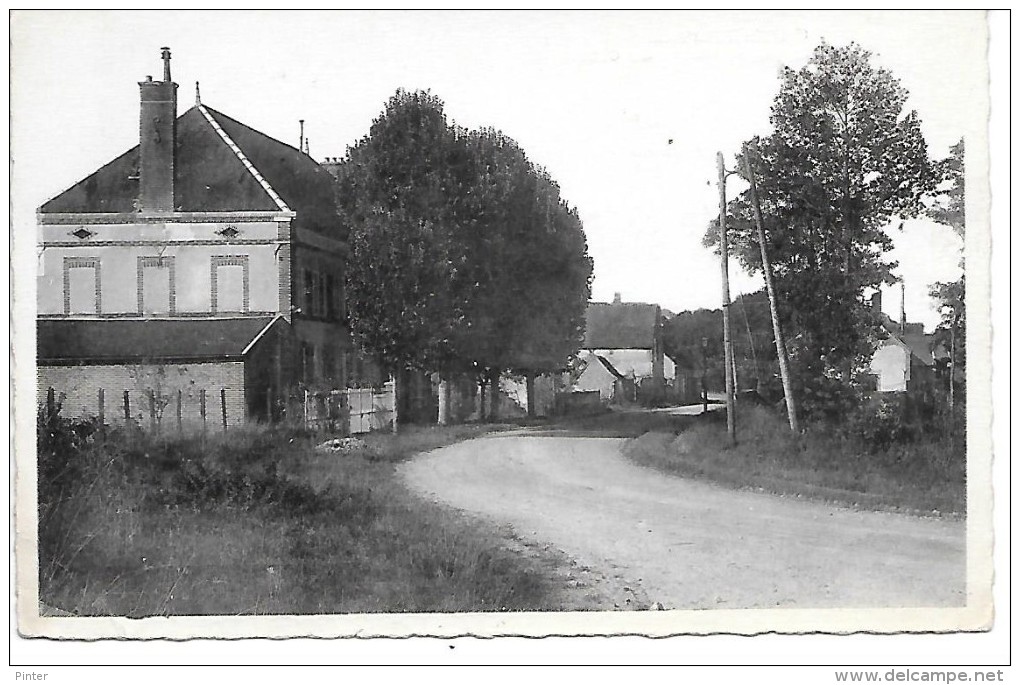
<point>203,265</point>
<point>623,349</point>
<point>904,360</point>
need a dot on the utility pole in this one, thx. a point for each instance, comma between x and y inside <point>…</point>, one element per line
<point>784,366</point>
<point>731,419</point>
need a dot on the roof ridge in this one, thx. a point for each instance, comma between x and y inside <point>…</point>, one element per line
<point>244,160</point>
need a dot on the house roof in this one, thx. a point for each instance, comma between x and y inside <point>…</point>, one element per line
<point>97,341</point>
<point>919,346</point>
<point>609,366</point>
<point>621,325</point>
<point>914,339</point>
<point>221,165</point>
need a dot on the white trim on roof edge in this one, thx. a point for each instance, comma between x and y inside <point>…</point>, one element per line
<point>244,160</point>
<point>261,333</point>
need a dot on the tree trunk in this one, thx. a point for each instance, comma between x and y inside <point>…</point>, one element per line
<point>398,394</point>
<point>482,411</point>
<point>952,365</point>
<point>444,402</point>
<point>493,395</point>
<point>530,381</point>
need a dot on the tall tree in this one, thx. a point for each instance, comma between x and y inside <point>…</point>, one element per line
<point>394,193</point>
<point>844,160</point>
<point>948,204</point>
<point>528,270</point>
<point>464,258</point>
<point>948,208</point>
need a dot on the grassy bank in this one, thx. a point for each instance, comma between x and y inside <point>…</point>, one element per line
<point>920,477</point>
<point>255,521</point>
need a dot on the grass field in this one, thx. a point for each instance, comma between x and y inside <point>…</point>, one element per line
<point>925,477</point>
<point>256,521</point>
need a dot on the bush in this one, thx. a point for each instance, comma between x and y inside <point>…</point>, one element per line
<point>869,460</point>
<point>255,521</point>
<point>881,422</point>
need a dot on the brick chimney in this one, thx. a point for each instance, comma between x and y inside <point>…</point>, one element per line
<point>158,137</point>
<point>616,298</point>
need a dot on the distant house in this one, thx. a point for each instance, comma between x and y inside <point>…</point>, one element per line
<point>903,360</point>
<point>204,266</point>
<point>623,348</point>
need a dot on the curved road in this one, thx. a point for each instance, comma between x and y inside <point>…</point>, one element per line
<point>687,544</point>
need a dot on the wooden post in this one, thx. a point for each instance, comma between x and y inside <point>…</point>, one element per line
<point>784,368</point>
<point>152,410</point>
<point>180,411</point>
<point>102,408</point>
<point>51,403</point>
<point>223,406</point>
<point>127,406</point>
<point>201,406</point>
<point>731,419</point>
<point>529,381</point>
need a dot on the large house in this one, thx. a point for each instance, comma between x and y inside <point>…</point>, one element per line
<point>623,350</point>
<point>199,273</point>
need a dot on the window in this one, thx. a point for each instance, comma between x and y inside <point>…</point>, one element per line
<point>82,293</point>
<point>331,299</point>
<point>320,282</point>
<point>309,304</point>
<point>230,283</point>
<point>156,286</point>
<point>307,363</point>
<point>328,363</point>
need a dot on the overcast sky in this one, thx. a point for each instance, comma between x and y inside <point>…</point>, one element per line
<point>593,97</point>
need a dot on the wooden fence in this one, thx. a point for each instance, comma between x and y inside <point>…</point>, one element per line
<point>350,412</point>
<point>155,410</point>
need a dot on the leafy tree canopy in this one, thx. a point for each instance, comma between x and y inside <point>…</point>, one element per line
<point>844,160</point>
<point>463,254</point>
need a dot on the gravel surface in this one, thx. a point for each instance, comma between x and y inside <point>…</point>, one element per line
<point>640,539</point>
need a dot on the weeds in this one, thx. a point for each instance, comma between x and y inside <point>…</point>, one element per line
<point>255,521</point>
<point>924,475</point>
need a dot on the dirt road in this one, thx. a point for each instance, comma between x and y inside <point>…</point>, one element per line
<point>687,544</point>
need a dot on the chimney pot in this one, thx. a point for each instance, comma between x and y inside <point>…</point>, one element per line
<point>165,53</point>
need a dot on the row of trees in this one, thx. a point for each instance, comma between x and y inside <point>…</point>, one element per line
<point>845,161</point>
<point>464,256</point>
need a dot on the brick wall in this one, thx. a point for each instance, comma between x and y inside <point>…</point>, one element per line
<point>167,383</point>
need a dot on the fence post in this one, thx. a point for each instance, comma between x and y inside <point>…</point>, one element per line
<point>102,409</point>
<point>51,403</point>
<point>223,406</point>
<point>152,410</point>
<point>127,406</point>
<point>305,409</point>
<point>180,411</point>
<point>201,405</point>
